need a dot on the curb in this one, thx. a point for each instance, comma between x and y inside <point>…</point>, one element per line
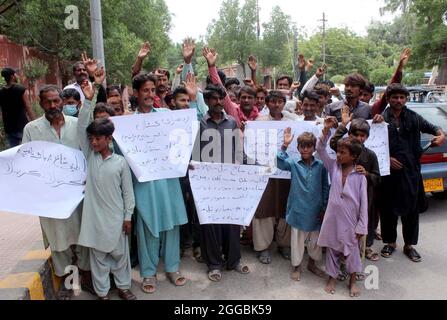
<point>32,278</point>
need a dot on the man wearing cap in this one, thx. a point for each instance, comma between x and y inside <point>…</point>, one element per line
<point>15,107</point>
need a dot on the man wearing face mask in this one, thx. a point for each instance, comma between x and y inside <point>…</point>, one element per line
<point>72,102</point>
<point>61,235</point>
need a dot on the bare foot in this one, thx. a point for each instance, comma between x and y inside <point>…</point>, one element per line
<point>354,291</point>
<point>296,274</point>
<point>315,270</point>
<point>330,287</point>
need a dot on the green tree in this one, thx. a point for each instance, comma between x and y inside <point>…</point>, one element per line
<point>233,35</point>
<point>34,70</point>
<point>277,32</point>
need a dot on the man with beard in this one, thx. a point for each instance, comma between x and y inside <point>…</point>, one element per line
<point>402,192</point>
<point>220,243</point>
<point>354,85</point>
<point>61,235</point>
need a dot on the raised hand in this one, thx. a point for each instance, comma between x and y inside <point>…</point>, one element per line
<point>87,89</point>
<point>99,76</point>
<point>295,86</point>
<point>329,123</point>
<point>210,56</point>
<point>404,57</point>
<point>145,50</point>
<point>190,84</point>
<point>249,82</point>
<point>288,137</point>
<point>252,63</point>
<point>179,69</point>
<point>334,91</point>
<point>346,116</point>
<point>91,65</point>
<point>309,64</point>
<point>321,71</point>
<point>188,49</point>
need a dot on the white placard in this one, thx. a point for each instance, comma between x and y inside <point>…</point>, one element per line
<point>42,179</point>
<point>227,193</point>
<point>157,145</point>
<point>260,137</point>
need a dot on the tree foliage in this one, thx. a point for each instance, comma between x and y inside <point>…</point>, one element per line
<point>126,24</point>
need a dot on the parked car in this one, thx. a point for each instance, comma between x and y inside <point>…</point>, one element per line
<point>420,94</point>
<point>434,160</point>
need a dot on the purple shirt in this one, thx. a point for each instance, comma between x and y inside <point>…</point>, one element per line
<point>347,210</point>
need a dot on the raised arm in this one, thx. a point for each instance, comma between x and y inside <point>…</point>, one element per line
<point>380,105</point>
<point>85,114</point>
<point>230,107</point>
<point>142,54</point>
<point>253,64</point>
<point>322,141</point>
<point>310,85</point>
<point>346,117</point>
<point>196,98</point>
<point>282,157</point>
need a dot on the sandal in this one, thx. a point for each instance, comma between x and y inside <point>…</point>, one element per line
<point>387,251</point>
<point>285,252</point>
<point>65,294</point>
<point>176,278</point>
<point>198,255</point>
<point>149,285</point>
<point>342,276</point>
<point>215,275</point>
<point>371,255</point>
<point>243,269</point>
<point>360,276</point>
<point>104,298</point>
<point>126,294</point>
<point>265,257</point>
<point>412,254</point>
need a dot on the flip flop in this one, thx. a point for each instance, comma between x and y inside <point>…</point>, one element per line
<point>412,254</point>
<point>241,268</point>
<point>150,282</point>
<point>371,255</point>
<point>265,257</point>
<point>215,275</point>
<point>176,278</point>
<point>387,251</point>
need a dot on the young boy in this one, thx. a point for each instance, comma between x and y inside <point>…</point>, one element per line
<point>307,201</point>
<point>346,217</point>
<point>108,204</point>
<point>368,165</point>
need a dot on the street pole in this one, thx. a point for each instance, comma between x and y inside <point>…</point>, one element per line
<point>324,41</point>
<point>96,28</point>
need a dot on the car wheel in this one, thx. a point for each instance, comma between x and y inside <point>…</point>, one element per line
<point>440,195</point>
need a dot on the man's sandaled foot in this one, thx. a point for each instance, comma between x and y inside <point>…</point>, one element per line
<point>107,297</point>
<point>265,257</point>
<point>215,275</point>
<point>360,276</point>
<point>296,274</point>
<point>176,278</point>
<point>65,294</point>
<point>315,270</point>
<point>126,294</point>
<point>342,276</point>
<point>371,255</point>
<point>285,253</point>
<point>330,286</point>
<point>149,285</point>
<point>198,255</point>
<point>387,251</point>
<point>241,268</point>
<point>412,254</point>
<point>354,291</point>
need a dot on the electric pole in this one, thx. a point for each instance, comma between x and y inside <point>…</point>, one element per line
<point>324,42</point>
<point>96,28</point>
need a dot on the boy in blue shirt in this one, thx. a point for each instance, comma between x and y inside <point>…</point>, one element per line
<point>307,200</point>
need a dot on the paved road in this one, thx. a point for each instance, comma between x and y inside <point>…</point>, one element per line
<point>399,278</point>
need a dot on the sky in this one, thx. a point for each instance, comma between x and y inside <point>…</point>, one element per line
<point>191,17</point>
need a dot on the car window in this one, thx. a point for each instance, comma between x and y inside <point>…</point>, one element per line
<point>435,115</point>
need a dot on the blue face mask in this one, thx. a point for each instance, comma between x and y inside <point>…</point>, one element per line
<point>70,109</point>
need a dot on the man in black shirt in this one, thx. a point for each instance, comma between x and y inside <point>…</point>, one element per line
<point>15,106</point>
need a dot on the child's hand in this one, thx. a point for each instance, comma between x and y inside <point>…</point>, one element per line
<point>359,236</point>
<point>329,123</point>
<point>288,137</point>
<point>346,117</point>
<point>127,227</point>
<point>361,170</point>
<point>378,118</point>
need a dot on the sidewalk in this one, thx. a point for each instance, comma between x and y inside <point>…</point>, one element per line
<point>18,234</point>
<point>25,268</point>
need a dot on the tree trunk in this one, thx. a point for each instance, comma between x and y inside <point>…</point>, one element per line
<point>442,75</point>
